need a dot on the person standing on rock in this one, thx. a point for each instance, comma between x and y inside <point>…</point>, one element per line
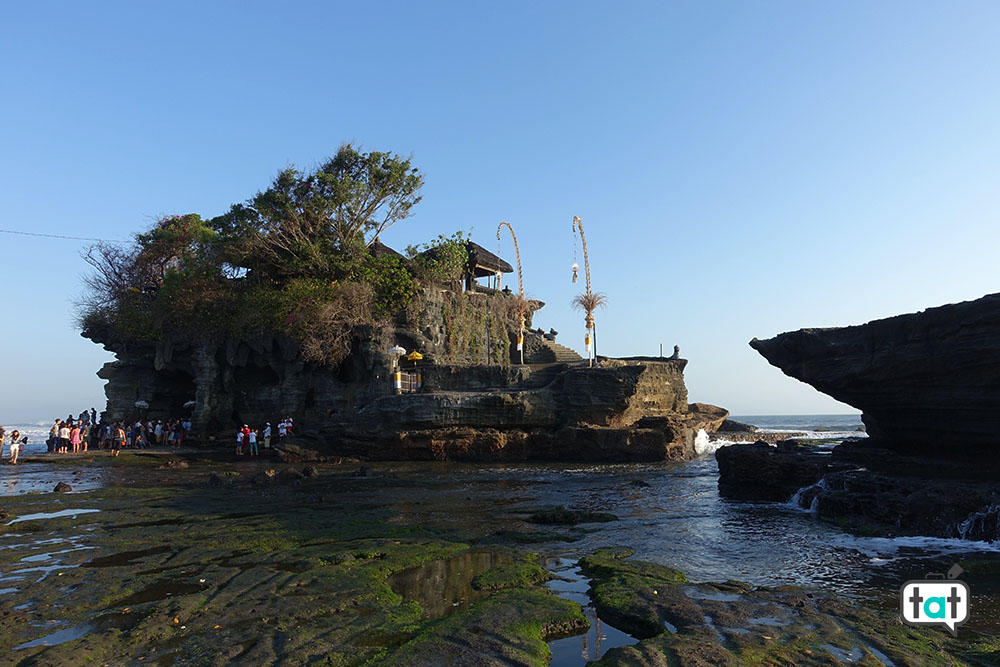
<point>239,442</point>
<point>252,438</point>
<point>74,438</point>
<point>64,433</point>
<point>118,440</point>
<point>267,436</point>
<point>158,432</point>
<point>15,445</point>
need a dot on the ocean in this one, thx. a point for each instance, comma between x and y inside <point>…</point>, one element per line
<point>37,433</point>
<point>814,426</point>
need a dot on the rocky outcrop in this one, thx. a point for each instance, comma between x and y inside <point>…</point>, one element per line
<point>927,386</point>
<point>708,417</point>
<point>617,410</point>
<point>759,471</point>
<point>925,381</point>
<point>867,489</point>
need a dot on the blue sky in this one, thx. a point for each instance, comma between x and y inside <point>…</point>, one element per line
<point>741,169</point>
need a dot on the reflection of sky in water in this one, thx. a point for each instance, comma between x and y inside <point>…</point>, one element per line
<point>42,477</point>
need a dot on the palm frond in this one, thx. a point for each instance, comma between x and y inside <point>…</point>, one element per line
<point>589,302</point>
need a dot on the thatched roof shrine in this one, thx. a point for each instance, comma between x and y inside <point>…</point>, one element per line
<point>483,263</point>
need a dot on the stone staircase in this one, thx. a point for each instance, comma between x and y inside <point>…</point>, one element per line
<point>543,351</point>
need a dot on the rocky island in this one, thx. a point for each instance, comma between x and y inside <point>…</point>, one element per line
<point>291,305</point>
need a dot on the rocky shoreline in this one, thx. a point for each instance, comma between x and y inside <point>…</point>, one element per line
<point>926,385</point>
<point>161,567</point>
<point>867,489</point>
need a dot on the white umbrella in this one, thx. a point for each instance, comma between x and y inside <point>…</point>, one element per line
<point>142,405</point>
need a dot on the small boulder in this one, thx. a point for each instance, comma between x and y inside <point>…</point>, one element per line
<point>216,481</point>
<point>289,476</point>
<point>289,453</point>
<point>363,471</point>
<point>63,487</point>
<point>310,471</point>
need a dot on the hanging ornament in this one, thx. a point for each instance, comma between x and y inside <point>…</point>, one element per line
<point>576,267</point>
<point>520,342</point>
<point>586,341</point>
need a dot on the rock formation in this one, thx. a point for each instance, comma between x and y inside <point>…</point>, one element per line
<point>620,410</point>
<point>925,381</point>
<point>927,386</point>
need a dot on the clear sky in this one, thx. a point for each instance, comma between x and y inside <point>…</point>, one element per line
<point>741,168</point>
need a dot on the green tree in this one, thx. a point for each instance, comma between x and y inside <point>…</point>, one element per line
<point>319,223</point>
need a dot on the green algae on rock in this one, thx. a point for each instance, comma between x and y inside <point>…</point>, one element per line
<point>734,623</point>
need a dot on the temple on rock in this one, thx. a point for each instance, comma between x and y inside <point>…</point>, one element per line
<point>472,401</point>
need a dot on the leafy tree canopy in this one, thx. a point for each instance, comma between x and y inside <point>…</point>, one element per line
<point>295,259</point>
<point>318,223</point>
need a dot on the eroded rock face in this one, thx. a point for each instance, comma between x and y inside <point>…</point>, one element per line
<point>867,489</point>
<point>759,471</point>
<point>618,410</point>
<point>925,381</point>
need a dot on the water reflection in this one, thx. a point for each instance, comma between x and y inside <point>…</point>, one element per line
<point>442,587</point>
<point>599,637</point>
<point>670,513</point>
<point>42,477</point>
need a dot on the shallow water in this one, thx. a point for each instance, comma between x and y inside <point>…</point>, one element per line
<point>443,587</point>
<point>670,513</point>
<point>599,637</point>
<point>52,515</point>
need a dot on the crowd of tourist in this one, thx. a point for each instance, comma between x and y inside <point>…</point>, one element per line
<point>85,433</point>
<point>248,439</point>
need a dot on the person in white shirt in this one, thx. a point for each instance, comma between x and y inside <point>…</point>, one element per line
<point>64,432</point>
<point>253,443</point>
<point>267,435</point>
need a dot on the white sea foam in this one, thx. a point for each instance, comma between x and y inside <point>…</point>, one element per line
<point>800,434</point>
<point>704,445</point>
<point>882,547</point>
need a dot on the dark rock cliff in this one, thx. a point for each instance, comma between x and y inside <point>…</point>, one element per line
<point>927,381</point>
<point>928,384</point>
